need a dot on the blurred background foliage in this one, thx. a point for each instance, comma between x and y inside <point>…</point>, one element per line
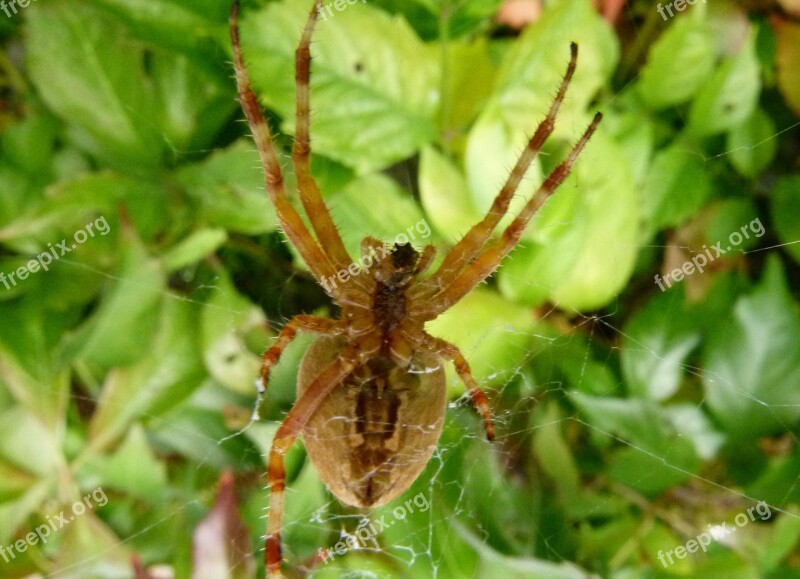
<point>629,419</point>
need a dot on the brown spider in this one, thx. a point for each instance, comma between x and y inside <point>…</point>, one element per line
<point>371,389</point>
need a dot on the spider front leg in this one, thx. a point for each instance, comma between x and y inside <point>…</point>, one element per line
<point>310,194</point>
<point>451,352</point>
<point>287,433</point>
<point>490,259</point>
<point>470,245</point>
<point>305,323</point>
<point>292,224</point>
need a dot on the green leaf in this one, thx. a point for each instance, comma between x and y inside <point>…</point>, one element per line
<point>375,86</point>
<point>28,444</point>
<point>651,473</point>
<point>492,333</point>
<point>30,145</point>
<point>586,236</point>
<point>460,16</point>
<point>494,564</point>
<point>83,539</point>
<point>776,484</point>
<point>634,132</point>
<point>198,28</point>
<point>14,514</point>
<point>554,454</point>
<point>752,362</point>
<point>655,457</point>
<point>784,208</point>
<point>678,63</point>
<point>468,80</point>
<point>658,340</point>
<point>694,424</point>
<point>730,96</point>
<point>573,360</point>
<point>194,248</point>
<point>211,445</point>
<point>530,73</point>
<point>89,71</point>
<point>356,215</point>
<point>172,371</point>
<point>734,215</point>
<point>192,105</point>
<point>122,328</point>
<point>17,193</point>
<point>229,188</point>
<point>783,540</point>
<point>641,423</point>
<point>445,196</point>
<point>753,144</point>
<point>133,468</point>
<point>677,187</point>
<point>225,319</point>
<point>31,372</point>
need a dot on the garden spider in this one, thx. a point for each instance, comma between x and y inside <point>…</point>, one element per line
<point>371,389</point>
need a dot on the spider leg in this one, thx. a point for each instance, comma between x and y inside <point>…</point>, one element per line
<point>426,258</point>
<point>310,195</point>
<point>373,252</point>
<point>289,218</point>
<point>287,433</point>
<point>469,245</point>
<point>370,245</point>
<point>451,352</point>
<point>313,324</point>
<point>490,259</point>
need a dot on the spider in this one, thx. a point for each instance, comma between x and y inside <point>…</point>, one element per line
<point>371,388</point>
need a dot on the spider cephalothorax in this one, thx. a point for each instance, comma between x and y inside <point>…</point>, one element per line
<point>392,277</point>
<point>371,391</point>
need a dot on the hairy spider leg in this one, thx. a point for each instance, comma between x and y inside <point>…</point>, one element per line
<point>490,259</point>
<point>310,195</point>
<point>289,218</point>
<point>288,432</point>
<point>451,353</point>
<point>314,324</point>
<point>474,240</point>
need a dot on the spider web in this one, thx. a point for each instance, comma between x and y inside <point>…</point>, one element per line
<point>449,499</point>
<point>417,549</point>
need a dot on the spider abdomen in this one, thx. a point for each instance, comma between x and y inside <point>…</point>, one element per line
<point>374,434</point>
